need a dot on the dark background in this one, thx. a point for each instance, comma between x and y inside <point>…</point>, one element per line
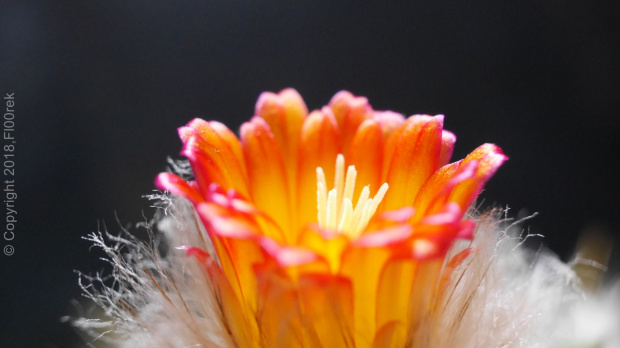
<point>101,86</point>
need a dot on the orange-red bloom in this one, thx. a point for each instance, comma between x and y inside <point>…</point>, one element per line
<point>330,228</point>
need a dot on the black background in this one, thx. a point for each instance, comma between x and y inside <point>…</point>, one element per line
<point>101,86</point>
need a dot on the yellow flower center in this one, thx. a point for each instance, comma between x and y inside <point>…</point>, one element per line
<point>335,208</point>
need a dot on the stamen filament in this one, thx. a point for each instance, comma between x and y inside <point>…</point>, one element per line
<point>347,214</point>
<point>321,195</point>
<point>357,213</point>
<point>339,182</point>
<point>331,213</point>
<point>349,185</point>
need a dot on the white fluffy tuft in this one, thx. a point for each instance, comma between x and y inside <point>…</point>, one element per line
<point>154,301</point>
<point>504,295</point>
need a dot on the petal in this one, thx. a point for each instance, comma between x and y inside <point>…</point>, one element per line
<point>223,222</point>
<point>212,158</point>
<point>205,169</point>
<point>400,215</point>
<point>436,190</point>
<point>423,295</point>
<point>366,154</point>
<point>266,173</point>
<point>285,113</point>
<point>235,241</point>
<point>350,111</point>
<point>447,147</point>
<point>390,121</point>
<point>293,261</point>
<point>238,320</point>
<point>233,216</point>
<point>328,245</point>
<point>328,303</point>
<point>232,141</point>
<point>393,297</point>
<point>489,157</point>
<point>386,237</point>
<point>413,157</point>
<point>459,182</point>
<point>391,334</point>
<point>177,186</point>
<point>287,256</point>
<point>278,313</point>
<point>363,266</point>
<point>319,146</point>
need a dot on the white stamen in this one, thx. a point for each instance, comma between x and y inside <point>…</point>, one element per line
<point>321,195</point>
<point>349,185</point>
<point>339,181</point>
<point>332,213</point>
<point>357,213</point>
<point>347,214</point>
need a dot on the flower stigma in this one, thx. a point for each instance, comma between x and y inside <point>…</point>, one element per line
<point>335,208</point>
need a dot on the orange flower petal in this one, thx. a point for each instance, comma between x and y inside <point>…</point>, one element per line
<point>328,308</point>
<point>447,147</point>
<point>325,243</point>
<point>350,111</point>
<point>239,321</point>
<point>393,296</point>
<point>234,240</point>
<point>287,256</point>
<point>285,113</point>
<point>364,263</point>
<point>266,173</point>
<point>415,157</point>
<point>390,122</point>
<point>489,158</point>
<point>278,312</point>
<point>390,335</point>
<point>212,158</point>
<point>436,191</point>
<point>423,294</point>
<point>232,141</point>
<point>205,169</point>
<point>363,266</point>
<point>319,146</point>
<point>384,238</point>
<point>459,182</point>
<point>434,234</point>
<point>177,186</point>
<point>366,154</point>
